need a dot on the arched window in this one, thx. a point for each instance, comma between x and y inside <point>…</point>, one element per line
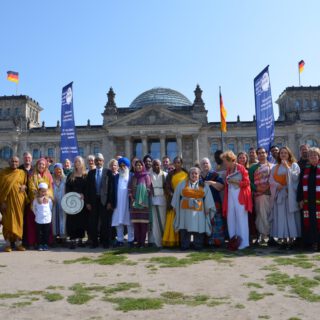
<point>280,142</point>
<point>171,148</point>
<point>137,148</point>
<point>312,142</point>
<point>246,147</point>
<point>214,147</point>
<point>154,148</point>
<point>36,153</point>
<point>51,153</point>
<point>314,104</point>
<point>231,147</point>
<point>6,153</point>
<point>96,149</point>
<point>81,152</point>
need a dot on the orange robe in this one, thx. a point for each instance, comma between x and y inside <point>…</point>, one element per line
<point>12,218</point>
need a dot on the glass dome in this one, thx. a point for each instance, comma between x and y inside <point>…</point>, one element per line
<point>160,96</point>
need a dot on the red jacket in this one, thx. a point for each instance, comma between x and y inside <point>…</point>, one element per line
<point>244,194</point>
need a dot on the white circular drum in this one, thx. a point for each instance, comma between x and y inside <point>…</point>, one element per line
<point>72,203</point>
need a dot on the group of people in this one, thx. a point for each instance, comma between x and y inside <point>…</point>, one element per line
<point>244,199</point>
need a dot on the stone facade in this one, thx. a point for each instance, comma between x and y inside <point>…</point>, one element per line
<point>159,121</point>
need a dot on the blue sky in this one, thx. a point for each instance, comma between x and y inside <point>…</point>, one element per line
<point>137,45</point>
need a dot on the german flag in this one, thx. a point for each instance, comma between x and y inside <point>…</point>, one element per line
<point>13,76</point>
<point>301,66</point>
<point>223,115</point>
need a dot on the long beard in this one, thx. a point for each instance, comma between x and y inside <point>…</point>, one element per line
<point>124,173</point>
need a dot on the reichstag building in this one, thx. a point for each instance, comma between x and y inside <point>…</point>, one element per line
<point>159,121</point>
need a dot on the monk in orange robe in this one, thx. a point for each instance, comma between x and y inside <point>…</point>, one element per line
<point>13,198</point>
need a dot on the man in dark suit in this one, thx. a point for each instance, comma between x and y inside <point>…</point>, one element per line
<point>96,198</point>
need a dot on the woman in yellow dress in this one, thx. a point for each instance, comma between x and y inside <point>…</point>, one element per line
<point>179,174</point>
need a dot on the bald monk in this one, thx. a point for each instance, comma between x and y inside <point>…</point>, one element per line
<point>12,202</point>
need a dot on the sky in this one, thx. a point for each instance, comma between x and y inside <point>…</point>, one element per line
<point>134,46</point>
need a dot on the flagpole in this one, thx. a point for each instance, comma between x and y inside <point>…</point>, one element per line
<point>221,136</point>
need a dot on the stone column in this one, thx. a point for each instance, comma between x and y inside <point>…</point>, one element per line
<point>144,146</point>
<point>111,149</point>
<point>162,146</point>
<point>23,148</point>
<point>88,149</point>
<point>58,153</point>
<point>15,148</point>
<point>105,150</point>
<point>195,148</point>
<point>292,142</point>
<point>239,145</point>
<point>128,147</point>
<point>43,150</point>
<point>179,145</point>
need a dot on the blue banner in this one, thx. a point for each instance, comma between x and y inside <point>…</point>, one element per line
<point>264,110</point>
<point>69,143</point>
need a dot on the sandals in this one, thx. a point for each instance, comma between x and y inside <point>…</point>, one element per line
<point>7,249</point>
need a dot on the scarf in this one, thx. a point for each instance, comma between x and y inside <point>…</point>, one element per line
<point>192,198</point>
<point>281,179</point>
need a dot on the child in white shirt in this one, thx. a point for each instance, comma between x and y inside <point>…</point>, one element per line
<point>42,208</point>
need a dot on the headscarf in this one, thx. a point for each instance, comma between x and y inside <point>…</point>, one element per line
<point>58,165</point>
<point>140,175</point>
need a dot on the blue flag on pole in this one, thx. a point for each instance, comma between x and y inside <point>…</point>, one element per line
<point>264,110</point>
<point>69,143</point>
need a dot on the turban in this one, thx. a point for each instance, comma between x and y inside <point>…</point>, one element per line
<point>124,160</point>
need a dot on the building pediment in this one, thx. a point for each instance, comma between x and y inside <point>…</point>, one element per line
<point>154,115</point>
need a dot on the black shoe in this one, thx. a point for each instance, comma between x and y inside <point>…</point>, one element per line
<point>94,245</point>
<point>297,243</point>
<point>131,244</point>
<point>272,243</point>
<point>283,246</point>
<point>81,244</point>
<point>72,245</point>
<point>119,244</point>
<point>290,246</point>
<point>105,246</point>
<point>255,243</point>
